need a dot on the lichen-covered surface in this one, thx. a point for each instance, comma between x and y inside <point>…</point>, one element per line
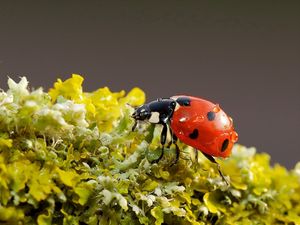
<point>69,157</point>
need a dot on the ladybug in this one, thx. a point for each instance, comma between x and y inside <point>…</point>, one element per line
<point>196,122</point>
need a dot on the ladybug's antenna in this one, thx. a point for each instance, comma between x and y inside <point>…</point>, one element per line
<point>135,107</point>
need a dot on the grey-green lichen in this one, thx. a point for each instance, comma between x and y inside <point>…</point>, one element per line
<point>69,157</point>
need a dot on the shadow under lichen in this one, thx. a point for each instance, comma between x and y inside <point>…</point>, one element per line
<point>69,157</point>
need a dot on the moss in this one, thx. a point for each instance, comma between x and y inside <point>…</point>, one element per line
<point>69,157</point>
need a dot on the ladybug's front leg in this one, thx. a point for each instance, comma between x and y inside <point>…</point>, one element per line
<point>163,138</point>
<point>134,126</point>
<point>174,140</point>
<point>171,134</point>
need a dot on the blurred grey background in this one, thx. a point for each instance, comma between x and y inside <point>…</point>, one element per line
<point>245,56</point>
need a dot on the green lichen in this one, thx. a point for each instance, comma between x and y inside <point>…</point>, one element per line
<point>69,157</point>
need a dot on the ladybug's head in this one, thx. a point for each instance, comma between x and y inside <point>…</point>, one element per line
<point>142,113</point>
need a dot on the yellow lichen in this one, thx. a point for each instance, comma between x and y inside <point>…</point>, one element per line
<point>70,157</point>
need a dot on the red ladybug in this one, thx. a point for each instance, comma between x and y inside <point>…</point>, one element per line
<point>194,121</point>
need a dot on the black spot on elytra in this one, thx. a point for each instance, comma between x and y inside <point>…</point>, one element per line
<point>194,134</point>
<point>211,115</point>
<point>184,101</point>
<point>224,145</point>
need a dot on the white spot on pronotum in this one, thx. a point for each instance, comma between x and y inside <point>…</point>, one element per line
<point>177,105</point>
<point>154,118</point>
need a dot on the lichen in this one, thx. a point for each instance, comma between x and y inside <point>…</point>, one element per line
<point>70,157</point>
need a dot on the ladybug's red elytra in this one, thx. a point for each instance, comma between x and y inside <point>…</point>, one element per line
<point>194,121</point>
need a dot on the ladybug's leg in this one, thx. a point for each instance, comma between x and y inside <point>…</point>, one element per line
<point>171,141</point>
<point>177,148</point>
<point>163,137</point>
<point>196,155</point>
<point>212,159</point>
<point>174,141</point>
<point>134,126</point>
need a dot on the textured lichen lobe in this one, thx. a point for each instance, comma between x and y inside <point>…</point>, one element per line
<point>69,157</point>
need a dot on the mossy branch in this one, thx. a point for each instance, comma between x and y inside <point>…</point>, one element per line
<point>69,157</point>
